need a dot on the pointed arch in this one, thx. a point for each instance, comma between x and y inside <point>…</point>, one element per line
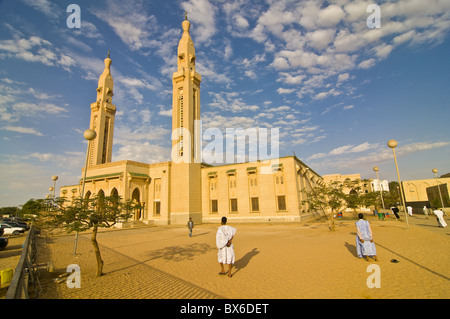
<point>136,197</point>
<point>114,192</point>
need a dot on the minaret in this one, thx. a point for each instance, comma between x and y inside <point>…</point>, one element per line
<point>186,158</point>
<point>102,118</point>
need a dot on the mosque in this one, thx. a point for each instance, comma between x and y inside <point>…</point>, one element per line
<point>171,192</point>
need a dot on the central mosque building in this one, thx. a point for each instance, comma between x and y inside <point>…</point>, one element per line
<point>171,192</point>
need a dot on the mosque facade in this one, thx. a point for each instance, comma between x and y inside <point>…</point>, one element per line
<point>184,187</point>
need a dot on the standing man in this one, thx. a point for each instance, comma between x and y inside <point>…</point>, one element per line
<point>365,247</point>
<point>425,211</point>
<point>224,237</point>
<point>410,210</point>
<point>190,226</point>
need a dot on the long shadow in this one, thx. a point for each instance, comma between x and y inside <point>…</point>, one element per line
<point>411,261</point>
<point>351,249</point>
<point>244,260</point>
<point>179,253</point>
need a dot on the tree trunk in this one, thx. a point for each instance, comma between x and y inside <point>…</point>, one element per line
<point>332,221</point>
<point>97,252</point>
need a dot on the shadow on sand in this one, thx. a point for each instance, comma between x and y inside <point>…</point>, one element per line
<point>244,260</point>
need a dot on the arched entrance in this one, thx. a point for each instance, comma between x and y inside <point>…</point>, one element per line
<point>114,192</point>
<point>101,194</point>
<point>135,197</point>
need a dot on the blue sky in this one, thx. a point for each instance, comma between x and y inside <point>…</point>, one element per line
<point>336,89</point>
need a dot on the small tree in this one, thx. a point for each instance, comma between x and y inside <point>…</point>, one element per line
<point>93,213</point>
<point>327,197</point>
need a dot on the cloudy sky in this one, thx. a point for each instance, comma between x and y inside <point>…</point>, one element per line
<point>336,89</point>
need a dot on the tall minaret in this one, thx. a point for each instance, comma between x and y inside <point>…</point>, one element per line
<point>102,118</point>
<point>186,174</point>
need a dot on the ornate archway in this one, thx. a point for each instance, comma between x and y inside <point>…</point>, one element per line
<point>136,197</point>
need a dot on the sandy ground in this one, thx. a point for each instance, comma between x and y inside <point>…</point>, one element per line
<point>273,261</point>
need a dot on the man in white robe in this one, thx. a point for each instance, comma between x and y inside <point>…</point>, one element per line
<point>224,237</point>
<point>365,247</point>
<point>410,210</point>
<point>440,217</point>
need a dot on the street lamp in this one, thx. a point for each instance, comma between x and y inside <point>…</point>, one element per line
<point>54,178</point>
<point>89,135</point>
<point>379,185</point>
<point>393,144</point>
<point>434,170</point>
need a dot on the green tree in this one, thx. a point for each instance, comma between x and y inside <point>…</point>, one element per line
<point>89,214</point>
<point>10,211</point>
<point>327,198</point>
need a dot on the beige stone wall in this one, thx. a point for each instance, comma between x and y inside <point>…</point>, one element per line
<point>242,182</point>
<point>416,190</point>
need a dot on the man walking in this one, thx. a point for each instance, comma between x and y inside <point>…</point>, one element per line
<point>395,210</point>
<point>224,237</point>
<point>190,226</point>
<point>440,218</point>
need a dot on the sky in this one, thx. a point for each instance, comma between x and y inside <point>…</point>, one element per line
<point>337,87</point>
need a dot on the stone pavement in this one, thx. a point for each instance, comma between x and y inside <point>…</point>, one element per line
<point>272,261</point>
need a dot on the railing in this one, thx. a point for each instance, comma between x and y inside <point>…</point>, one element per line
<point>25,272</point>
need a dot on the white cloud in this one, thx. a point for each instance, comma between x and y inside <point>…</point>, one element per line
<point>320,39</point>
<point>330,16</point>
<point>35,49</point>
<point>285,91</point>
<point>51,10</point>
<point>22,130</point>
<point>343,77</point>
<point>348,107</point>
<point>366,64</point>
<point>202,13</point>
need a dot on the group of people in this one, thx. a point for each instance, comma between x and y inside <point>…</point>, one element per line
<point>426,211</point>
<point>365,246</point>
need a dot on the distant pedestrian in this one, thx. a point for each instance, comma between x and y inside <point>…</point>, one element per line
<point>365,247</point>
<point>440,218</point>
<point>410,210</point>
<point>425,211</point>
<point>190,226</point>
<point>395,210</point>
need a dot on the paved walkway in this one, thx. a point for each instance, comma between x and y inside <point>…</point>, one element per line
<point>272,261</point>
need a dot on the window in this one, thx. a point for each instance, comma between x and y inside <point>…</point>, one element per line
<point>255,204</point>
<point>234,205</point>
<point>157,207</point>
<point>105,141</point>
<point>281,202</point>
<point>214,206</point>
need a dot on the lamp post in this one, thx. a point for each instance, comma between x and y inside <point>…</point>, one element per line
<point>434,170</point>
<point>376,169</point>
<point>54,178</point>
<point>89,135</point>
<point>393,144</point>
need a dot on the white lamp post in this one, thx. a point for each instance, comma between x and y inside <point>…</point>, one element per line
<point>434,170</point>
<point>393,144</point>
<point>54,178</point>
<point>376,169</point>
<point>89,135</point>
